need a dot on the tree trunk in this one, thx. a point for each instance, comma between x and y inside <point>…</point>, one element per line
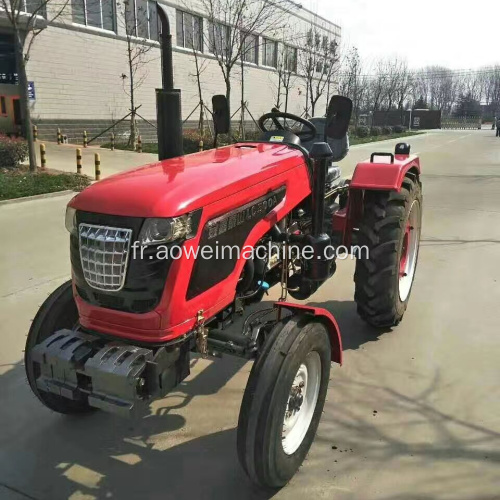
<point>242,112</point>
<point>133,120</point>
<point>228,97</point>
<point>27,130</point>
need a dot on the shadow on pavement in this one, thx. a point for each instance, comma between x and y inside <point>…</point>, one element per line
<point>354,331</point>
<point>101,456</point>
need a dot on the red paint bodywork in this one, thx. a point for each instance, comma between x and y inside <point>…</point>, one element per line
<point>371,176</point>
<point>325,317</point>
<point>217,181</point>
<point>384,176</point>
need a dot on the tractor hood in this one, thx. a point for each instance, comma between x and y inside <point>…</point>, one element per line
<point>180,185</point>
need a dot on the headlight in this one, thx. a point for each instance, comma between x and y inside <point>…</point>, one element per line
<point>157,231</point>
<point>70,220</point>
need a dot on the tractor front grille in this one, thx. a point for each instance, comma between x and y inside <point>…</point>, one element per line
<point>104,253</point>
<point>144,276</point>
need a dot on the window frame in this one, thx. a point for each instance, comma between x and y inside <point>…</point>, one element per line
<point>255,48</point>
<point>85,17</point>
<point>265,42</point>
<point>211,32</point>
<point>136,24</point>
<point>42,13</point>
<point>193,17</point>
<point>3,104</point>
<point>295,51</point>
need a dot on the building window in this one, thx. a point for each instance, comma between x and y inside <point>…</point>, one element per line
<point>189,31</point>
<point>290,59</point>
<point>141,19</point>
<point>270,53</point>
<point>3,106</point>
<point>250,47</point>
<point>35,6</point>
<point>219,36</point>
<point>95,13</point>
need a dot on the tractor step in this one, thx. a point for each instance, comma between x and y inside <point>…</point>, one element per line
<point>236,344</point>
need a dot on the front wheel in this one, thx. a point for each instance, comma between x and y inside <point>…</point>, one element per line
<point>58,312</point>
<point>283,401</point>
<point>390,230</point>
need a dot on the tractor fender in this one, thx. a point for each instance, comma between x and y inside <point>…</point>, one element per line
<point>324,317</point>
<point>384,176</point>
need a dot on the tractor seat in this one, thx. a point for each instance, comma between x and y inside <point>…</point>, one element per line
<point>340,147</point>
<point>334,172</point>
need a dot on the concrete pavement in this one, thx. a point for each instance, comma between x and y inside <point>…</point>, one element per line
<point>414,413</point>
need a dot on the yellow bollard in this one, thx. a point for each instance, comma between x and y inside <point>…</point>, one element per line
<point>43,159</point>
<point>97,160</point>
<point>113,141</point>
<point>84,138</point>
<point>78,161</point>
<point>139,145</point>
<point>59,137</point>
<point>201,145</point>
<point>35,133</point>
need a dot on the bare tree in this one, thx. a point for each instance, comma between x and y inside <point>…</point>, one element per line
<point>286,68</point>
<point>139,20</point>
<point>200,67</point>
<point>234,26</point>
<point>27,20</point>
<point>318,63</point>
<point>351,82</point>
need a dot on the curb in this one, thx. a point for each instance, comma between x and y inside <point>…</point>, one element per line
<point>387,140</point>
<point>37,197</point>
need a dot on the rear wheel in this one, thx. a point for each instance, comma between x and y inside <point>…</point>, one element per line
<point>390,229</point>
<point>58,312</point>
<point>283,401</point>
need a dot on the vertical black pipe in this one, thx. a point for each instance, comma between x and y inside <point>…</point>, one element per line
<point>321,154</point>
<point>168,99</point>
<point>167,66</point>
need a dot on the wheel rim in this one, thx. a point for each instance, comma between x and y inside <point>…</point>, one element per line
<point>301,403</point>
<point>409,252</point>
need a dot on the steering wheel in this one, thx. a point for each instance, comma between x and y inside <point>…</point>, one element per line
<point>308,132</point>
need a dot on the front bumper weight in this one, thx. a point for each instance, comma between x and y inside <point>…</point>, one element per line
<point>76,365</point>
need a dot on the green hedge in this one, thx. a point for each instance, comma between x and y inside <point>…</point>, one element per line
<point>362,132</point>
<point>13,152</point>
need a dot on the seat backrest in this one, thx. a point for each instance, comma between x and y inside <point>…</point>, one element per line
<point>340,147</point>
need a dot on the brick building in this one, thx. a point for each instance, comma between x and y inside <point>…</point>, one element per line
<point>78,65</point>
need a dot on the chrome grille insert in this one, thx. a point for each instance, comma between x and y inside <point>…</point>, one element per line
<point>104,253</point>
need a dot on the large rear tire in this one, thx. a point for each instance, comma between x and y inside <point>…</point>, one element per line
<point>58,312</point>
<point>390,229</point>
<point>283,401</point>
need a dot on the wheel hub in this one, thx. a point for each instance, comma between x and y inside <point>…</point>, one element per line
<point>301,403</point>
<point>409,252</point>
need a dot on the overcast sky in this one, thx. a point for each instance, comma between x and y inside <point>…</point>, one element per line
<point>460,34</point>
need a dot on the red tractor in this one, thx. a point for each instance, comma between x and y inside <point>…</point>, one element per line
<point>121,332</point>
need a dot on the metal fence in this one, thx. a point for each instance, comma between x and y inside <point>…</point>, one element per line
<point>461,122</point>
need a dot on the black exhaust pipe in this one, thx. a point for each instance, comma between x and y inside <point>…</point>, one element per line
<point>168,99</point>
<point>319,268</point>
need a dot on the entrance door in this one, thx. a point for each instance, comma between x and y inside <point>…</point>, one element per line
<point>16,104</point>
